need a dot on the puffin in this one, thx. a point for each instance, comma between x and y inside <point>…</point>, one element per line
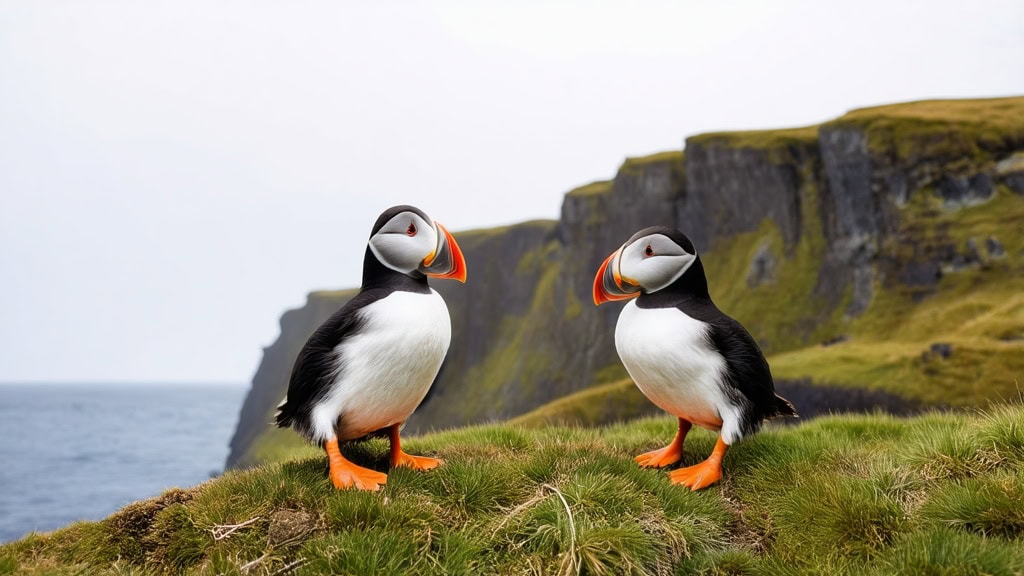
<point>365,370</point>
<point>687,356</point>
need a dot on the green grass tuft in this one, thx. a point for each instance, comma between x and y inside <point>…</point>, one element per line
<point>849,515</point>
<point>946,552</point>
<point>990,506</point>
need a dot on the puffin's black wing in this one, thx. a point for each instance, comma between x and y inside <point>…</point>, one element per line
<point>316,366</point>
<point>747,370</point>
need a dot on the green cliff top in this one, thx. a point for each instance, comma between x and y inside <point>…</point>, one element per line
<point>758,139</point>
<point>1004,113</point>
<point>923,128</point>
<point>594,188</point>
<point>970,129</point>
<point>670,156</point>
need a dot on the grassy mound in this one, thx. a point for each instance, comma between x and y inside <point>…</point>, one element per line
<point>939,494</point>
<point>602,404</point>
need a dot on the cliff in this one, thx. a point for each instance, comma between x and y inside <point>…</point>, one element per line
<point>876,233</point>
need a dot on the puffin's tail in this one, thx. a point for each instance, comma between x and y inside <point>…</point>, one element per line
<point>784,407</point>
<point>284,416</point>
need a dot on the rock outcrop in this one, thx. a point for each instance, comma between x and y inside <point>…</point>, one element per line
<point>799,228</point>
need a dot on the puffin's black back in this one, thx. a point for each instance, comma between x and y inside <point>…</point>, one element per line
<point>747,370</point>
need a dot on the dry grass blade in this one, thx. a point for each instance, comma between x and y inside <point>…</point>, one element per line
<point>289,567</point>
<point>254,563</point>
<point>222,531</point>
<point>514,512</point>
<point>573,562</point>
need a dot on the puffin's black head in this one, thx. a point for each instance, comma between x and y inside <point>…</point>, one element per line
<point>406,240</point>
<point>653,259</point>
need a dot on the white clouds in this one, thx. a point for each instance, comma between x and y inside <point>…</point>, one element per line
<point>173,174</point>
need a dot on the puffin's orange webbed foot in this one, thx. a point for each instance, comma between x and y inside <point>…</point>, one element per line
<point>661,457</point>
<point>704,474</point>
<point>400,458</point>
<point>362,478</point>
<point>697,477</point>
<point>415,462</point>
<point>345,474</point>
<point>669,454</point>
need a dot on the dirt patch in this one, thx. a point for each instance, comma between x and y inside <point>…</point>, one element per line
<point>135,519</point>
<point>742,533</point>
<point>289,527</point>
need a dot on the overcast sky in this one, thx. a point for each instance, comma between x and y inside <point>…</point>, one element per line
<point>174,175</point>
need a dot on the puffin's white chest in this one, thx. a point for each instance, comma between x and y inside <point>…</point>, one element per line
<point>669,356</point>
<point>387,369</point>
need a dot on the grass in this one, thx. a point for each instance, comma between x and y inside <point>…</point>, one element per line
<point>936,494</point>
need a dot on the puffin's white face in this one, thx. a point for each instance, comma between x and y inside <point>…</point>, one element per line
<point>653,262</point>
<point>647,263</point>
<point>404,242</point>
<point>408,243</point>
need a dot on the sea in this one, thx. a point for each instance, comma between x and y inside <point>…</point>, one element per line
<point>81,451</point>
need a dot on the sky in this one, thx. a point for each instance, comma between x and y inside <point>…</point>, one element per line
<point>174,175</point>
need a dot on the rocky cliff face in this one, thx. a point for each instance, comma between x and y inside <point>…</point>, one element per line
<point>798,228</point>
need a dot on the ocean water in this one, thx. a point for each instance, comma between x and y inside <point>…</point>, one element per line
<point>81,451</point>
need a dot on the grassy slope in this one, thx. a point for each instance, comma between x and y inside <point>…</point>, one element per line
<point>939,493</point>
<point>980,311</point>
<point>601,404</point>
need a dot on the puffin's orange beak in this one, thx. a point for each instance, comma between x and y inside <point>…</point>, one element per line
<point>446,261</point>
<point>609,285</point>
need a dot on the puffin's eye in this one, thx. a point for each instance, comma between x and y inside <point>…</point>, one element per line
<point>648,251</point>
<point>411,230</point>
